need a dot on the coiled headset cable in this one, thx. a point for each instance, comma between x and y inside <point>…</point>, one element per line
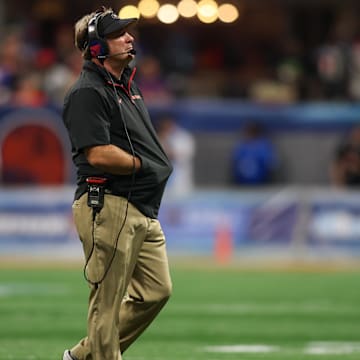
<point>116,241</point>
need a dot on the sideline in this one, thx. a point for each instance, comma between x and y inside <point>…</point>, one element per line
<point>269,264</point>
<point>245,264</point>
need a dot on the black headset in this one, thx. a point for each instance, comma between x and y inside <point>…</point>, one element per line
<point>98,47</point>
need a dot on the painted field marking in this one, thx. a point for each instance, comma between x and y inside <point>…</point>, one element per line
<point>332,348</point>
<point>27,289</point>
<point>312,348</point>
<point>279,308</point>
<point>241,348</point>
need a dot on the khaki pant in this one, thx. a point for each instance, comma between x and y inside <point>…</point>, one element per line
<point>137,284</point>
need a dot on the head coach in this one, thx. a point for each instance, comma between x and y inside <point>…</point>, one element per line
<point>122,171</point>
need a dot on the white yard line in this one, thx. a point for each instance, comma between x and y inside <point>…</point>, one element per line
<point>27,289</point>
<point>279,308</point>
<point>312,348</point>
<point>241,348</point>
<point>332,347</point>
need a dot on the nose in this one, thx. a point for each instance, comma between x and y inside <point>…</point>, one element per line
<point>130,38</point>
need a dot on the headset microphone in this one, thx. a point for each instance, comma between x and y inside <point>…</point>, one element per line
<point>131,52</point>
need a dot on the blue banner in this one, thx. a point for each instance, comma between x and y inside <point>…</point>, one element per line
<point>195,224</point>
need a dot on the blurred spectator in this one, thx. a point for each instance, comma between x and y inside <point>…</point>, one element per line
<point>332,70</point>
<point>333,55</point>
<point>151,81</point>
<point>354,76</point>
<point>290,68</point>
<point>179,146</point>
<point>28,91</point>
<point>254,158</point>
<point>64,41</point>
<point>58,77</point>
<point>354,138</point>
<point>345,169</point>
<point>13,58</point>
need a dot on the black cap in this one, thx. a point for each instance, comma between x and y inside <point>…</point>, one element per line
<point>111,23</point>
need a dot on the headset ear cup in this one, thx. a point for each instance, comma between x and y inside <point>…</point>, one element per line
<point>98,48</point>
<point>105,48</point>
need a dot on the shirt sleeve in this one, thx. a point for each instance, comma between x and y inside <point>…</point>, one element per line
<point>87,117</point>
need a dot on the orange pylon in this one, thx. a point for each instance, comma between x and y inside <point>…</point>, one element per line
<point>223,245</point>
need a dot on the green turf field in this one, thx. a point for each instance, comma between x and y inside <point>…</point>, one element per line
<point>214,314</point>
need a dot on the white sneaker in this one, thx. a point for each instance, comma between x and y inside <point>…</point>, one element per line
<point>67,355</point>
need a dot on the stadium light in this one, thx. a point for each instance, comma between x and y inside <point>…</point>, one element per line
<point>207,8</point>
<point>207,11</point>
<point>228,13</point>
<point>208,19</point>
<point>148,8</point>
<point>187,8</point>
<point>129,11</point>
<point>168,13</point>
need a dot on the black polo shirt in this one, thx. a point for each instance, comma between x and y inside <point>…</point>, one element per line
<point>92,117</point>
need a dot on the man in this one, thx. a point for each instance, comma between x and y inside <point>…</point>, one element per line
<point>122,171</point>
<point>254,159</point>
<point>179,145</point>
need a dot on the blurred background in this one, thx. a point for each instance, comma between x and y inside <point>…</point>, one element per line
<point>255,102</point>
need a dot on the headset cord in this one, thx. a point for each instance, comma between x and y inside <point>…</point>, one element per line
<point>97,283</point>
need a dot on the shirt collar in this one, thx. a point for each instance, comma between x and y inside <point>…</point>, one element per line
<point>125,76</point>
